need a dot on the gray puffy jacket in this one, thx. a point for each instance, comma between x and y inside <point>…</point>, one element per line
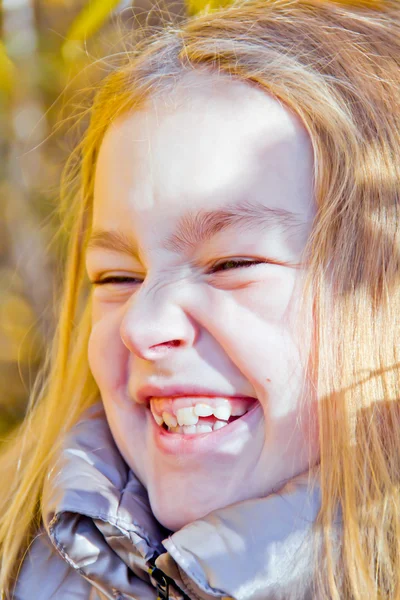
<point>100,540</point>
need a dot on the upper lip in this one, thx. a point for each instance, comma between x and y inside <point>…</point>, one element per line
<point>168,391</point>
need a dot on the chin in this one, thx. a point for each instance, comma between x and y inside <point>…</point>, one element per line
<point>173,519</point>
<point>174,516</point>
<point>174,506</point>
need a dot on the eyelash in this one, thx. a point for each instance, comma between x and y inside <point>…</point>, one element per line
<point>240,264</point>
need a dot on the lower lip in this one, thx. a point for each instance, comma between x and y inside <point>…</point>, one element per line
<point>203,443</point>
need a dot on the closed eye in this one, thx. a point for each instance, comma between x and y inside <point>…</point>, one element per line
<point>116,279</point>
<point>226,265</point>
<point>230,264</point>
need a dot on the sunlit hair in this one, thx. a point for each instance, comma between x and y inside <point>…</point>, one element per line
<point>337,65</point>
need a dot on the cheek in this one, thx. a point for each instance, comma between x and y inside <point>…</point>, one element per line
<point>268,300</point>
<point>250,327</point>
<point>107,355</point>
<point>254,326</point>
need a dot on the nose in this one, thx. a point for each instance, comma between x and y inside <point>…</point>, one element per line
<point>155,323</point>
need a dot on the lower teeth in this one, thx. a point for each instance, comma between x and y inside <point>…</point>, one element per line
<point>197,429</point>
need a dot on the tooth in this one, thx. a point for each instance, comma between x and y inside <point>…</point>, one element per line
<point>189,429</point>
<point>169,419</point>
<point>219,425</point>
<point>203,410</point>
<point>186,416</point>
<point>239,409</point>
<point>222,412</point>
<point>174,429</point>
<point>204,428</point>
<point>159,420</point>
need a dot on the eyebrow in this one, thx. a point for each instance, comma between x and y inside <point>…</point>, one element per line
<point>195,228</point>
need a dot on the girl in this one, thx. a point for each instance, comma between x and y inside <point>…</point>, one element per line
<point>220,416</point>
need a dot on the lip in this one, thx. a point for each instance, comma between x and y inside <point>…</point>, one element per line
<point>170,391</point>
<point>204,443</point>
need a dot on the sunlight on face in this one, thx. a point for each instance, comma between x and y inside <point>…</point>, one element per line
<point>219,172</point>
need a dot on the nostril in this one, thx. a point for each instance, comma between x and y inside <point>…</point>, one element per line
<point>159,348</point>
<point>171,343</point>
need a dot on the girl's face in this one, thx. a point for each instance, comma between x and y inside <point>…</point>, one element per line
<point>203,180</point>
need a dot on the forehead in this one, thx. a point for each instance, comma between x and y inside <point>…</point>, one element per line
<point>211,141</point>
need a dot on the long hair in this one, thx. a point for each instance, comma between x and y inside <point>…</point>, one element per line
<point>337,65</point>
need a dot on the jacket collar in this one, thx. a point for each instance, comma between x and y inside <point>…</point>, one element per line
<point>97,514</point>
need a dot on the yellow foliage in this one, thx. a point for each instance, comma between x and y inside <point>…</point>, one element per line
<point>196,6</point>
<point>88,21</point>
<point>7,70</point>
<point>17,328</point>
<point>65,3</point>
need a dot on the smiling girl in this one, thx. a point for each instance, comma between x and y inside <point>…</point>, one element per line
<point>220,417</point>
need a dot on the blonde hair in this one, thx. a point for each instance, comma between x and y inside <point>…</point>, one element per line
<point>337,65</point>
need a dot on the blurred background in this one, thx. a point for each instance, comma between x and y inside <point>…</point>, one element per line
<point>45,49</point>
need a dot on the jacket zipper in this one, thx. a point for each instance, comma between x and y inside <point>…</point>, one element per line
<point>163,582</point>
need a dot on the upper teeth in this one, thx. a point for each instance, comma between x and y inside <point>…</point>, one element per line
<point>223,413</point>
<point>203,410</point>
<point>189,415</point>
<point>168,419</point>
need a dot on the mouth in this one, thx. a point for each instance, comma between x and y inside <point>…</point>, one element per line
<point>233,436</point>
<point>198,415</point>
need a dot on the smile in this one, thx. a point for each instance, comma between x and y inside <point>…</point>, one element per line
<point>235,433</point>
<point>197,415</point>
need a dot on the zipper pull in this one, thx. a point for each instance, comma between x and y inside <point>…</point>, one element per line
<point>161,582</point>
